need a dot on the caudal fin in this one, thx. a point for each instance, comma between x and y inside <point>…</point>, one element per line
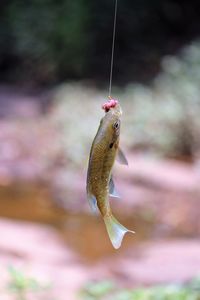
<point>115,230</point>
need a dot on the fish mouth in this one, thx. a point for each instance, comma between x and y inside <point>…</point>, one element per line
<point>116,110</point>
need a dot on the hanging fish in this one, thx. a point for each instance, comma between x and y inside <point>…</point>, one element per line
<point>105,149</point>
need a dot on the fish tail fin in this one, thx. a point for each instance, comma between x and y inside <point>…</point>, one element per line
<point>115,230</point>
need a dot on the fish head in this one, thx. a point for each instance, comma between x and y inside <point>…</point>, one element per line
<point>110,124</point>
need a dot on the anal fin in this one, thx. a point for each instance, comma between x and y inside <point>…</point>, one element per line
<point>112,190</point>
<point>93,203</point>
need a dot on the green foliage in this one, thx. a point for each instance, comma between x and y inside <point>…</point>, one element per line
<point>47,37</point>
<point>162,119</point>
<point>169,292</point>
<point>97,290</point>
<point>165,115</point>
<point>20,284</point>
<point>49,40</point>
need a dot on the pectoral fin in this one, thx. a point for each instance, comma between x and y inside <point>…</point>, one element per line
<point>93,203</point>
<point>112,190</point>
<point>121,158</point>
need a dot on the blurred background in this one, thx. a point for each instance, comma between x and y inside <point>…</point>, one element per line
<point>54,73</point>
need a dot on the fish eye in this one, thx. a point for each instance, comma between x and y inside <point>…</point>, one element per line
<point>116,124</point>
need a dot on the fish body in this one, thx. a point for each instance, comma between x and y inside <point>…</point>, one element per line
<point>104,151</point>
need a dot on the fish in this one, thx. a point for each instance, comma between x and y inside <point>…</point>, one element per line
<point>104,151</point>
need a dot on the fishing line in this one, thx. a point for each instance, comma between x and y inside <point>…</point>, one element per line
<point>112,51</point>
